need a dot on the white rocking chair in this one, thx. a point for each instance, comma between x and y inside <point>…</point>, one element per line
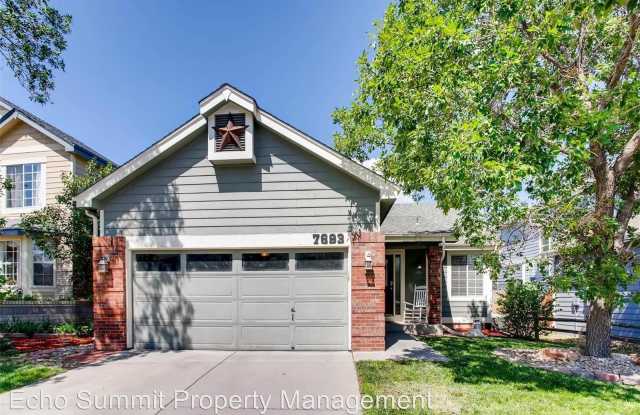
<point>416,311</point>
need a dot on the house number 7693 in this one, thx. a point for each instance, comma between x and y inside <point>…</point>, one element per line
<point>328,238</point>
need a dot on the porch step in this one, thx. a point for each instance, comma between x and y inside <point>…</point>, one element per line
<point>424,329</point>
<point>414,329</point>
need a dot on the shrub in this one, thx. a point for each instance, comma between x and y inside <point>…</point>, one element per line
<point>29,328</point>
<point>6,347</point>
<point>65,328</point>
<point>17,295</point>
<point>84,329</point>
<point>526,309</point>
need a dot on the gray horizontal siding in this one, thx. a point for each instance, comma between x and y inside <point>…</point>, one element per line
<point>464,309</point>
<point>568,307</point>
<point>570,315</point>
<point>288,190</point>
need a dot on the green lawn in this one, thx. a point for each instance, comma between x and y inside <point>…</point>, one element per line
<point>15,373</point>
<point>474,381</point>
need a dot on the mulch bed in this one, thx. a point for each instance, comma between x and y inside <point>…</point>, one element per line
<point>37,343</point>
<point>67,357</point>
<point>492,333</point>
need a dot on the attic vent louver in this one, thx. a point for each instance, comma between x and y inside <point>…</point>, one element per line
<point>230,130</point>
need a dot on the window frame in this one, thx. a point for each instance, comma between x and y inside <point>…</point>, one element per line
<point>181,261</point>
<point>184,262</point>
<point>42,191</point>
<point>449,279</point>
<point>289,268</point>
<point>541,238</point>
<point>34,246</point>
<point>312,251</point>
<point>19,262</point>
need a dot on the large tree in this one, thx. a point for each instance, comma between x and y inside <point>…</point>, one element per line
<point>32,40</point>
<point>491,103</point>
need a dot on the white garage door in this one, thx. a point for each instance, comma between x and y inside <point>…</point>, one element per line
<point>241,300</point>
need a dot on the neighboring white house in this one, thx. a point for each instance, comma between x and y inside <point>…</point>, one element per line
<point>34,155</point>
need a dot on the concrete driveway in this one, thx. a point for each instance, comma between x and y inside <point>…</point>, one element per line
<point>197,382</point>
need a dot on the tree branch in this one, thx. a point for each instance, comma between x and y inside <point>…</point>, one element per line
<point>580,50</point>
<point>625,52</point>
<point>624,215</point>
<point>545,55</point>
<point>627,155</point>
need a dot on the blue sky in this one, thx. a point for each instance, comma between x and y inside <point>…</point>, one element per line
<point>136,69</point>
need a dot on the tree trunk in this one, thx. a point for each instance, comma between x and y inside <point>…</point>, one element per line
<point>598,342</point>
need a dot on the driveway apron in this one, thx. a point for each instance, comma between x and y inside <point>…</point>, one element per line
<point>197,382</point>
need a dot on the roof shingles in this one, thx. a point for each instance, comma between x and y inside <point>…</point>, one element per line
<point>416,219</point>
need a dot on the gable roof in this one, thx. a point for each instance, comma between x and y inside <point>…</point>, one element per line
<point>412,219</point>
<point>70,143</point>
<point>223,94</point>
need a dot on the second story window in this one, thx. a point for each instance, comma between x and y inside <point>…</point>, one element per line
<point>546,244</point>
<point>25,181</point>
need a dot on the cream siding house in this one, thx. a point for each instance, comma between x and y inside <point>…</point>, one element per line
<point>34,155</point>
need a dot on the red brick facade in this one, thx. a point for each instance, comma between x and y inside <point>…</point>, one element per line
<point>434,282</point>
<point>109,300</point>
<point>367,292</point>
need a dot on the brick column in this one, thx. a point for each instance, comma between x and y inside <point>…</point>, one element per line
<point>109,299</point>
<point>434,282</point>
<point>367,292</point>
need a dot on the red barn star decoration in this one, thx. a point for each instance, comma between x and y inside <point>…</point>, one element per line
<point>229,133</point>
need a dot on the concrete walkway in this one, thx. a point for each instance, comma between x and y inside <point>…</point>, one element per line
<point>195,382</point>
<point>401,346</point>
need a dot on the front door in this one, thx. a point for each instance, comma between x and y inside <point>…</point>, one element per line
<point>394,287</point>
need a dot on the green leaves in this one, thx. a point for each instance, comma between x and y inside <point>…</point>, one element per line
<point>32,40</point>
<point>489,103</point>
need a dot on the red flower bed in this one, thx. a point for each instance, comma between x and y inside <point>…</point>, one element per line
<point>25,344</point>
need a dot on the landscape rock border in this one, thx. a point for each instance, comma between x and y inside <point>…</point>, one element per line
<point>619,368</point>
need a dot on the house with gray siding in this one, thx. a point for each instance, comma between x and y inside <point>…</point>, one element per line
<point>34,156</point>
<point>527,250</point>
<point>239,231</point>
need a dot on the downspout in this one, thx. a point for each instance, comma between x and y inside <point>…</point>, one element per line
<point>94,221</point>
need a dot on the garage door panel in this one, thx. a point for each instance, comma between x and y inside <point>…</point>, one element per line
<point>265,311</point>
<point>320,311</point>
<point>314,337</point>
<point>183,337</point>
<point>264,286</point>
<point>319,286</point>
<point>265,336</point>
<point>178,286</point>
<point>162,311</point>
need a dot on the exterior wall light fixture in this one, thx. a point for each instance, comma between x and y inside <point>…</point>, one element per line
<point>103,264</point>
<point>368,260</point>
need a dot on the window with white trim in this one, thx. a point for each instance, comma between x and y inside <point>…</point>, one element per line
<point>465,280</point>
<point>25,181</point>
<point>546,245</point>
<point>43,268</point>
<point>9,261</point>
